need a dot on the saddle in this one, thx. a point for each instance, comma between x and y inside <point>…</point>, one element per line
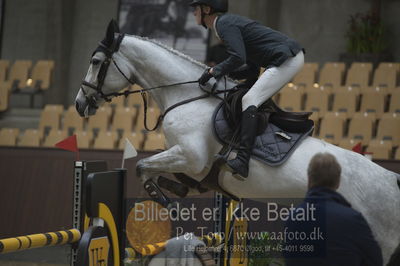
<point>278,133</point>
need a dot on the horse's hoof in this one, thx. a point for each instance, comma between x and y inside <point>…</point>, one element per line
<point>172,186</point>
<point>155,193</point>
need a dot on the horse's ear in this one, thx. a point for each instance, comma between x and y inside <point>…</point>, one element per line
<point>112,28</point>
<point>115,26</point>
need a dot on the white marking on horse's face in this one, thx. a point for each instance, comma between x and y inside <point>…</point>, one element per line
<point>81,103</point>
<point>113,82</point>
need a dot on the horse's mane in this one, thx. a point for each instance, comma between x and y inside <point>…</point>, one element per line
<point>175,52</point>
<point>171,50</point>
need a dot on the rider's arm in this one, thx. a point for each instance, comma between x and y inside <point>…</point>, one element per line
<point>232,38</point>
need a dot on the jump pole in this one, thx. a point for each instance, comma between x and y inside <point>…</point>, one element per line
<point>98,196</point>
<point>58,238</point>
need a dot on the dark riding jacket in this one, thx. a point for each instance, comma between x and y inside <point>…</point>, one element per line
<point>249,41</point>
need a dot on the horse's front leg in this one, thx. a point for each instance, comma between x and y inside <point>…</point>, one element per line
<point>170,161</point>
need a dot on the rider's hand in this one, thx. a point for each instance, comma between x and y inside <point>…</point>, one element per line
<point>206,76</point>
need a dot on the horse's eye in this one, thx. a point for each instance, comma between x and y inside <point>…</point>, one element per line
<point>95,61</point>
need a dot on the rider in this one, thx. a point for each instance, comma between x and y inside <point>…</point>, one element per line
<point>247,41</point>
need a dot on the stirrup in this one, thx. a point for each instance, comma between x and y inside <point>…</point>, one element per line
<point>235,174</point>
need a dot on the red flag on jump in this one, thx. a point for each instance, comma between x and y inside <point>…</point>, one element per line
<point>69,144</point>
<point>357,148</point>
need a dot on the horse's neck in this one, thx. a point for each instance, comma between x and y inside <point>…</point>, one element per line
<point>155,66</point>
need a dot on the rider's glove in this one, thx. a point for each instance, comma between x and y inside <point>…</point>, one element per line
<point>206,76</point>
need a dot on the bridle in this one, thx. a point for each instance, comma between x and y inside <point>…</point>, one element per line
<point>109,51</point>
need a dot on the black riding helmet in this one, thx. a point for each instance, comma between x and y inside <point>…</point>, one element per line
<point>216,5</point>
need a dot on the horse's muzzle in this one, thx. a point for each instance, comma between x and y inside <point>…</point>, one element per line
<point>84,109</point>
<point>80,108</point>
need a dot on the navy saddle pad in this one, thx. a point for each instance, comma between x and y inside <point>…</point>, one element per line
<point>274,145</point>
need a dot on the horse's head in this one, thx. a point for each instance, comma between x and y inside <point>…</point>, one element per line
<point>109,72</point>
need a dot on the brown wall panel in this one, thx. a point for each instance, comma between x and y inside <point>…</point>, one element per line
<point>36,186</point>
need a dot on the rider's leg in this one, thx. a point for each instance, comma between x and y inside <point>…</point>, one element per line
<point>248,131</point>
<point>272,80</point>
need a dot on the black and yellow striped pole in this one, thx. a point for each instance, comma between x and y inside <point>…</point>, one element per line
<point>39,240</point>
<point>211,240</point>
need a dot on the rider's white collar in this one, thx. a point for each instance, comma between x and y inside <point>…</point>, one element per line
<point>215,28</point>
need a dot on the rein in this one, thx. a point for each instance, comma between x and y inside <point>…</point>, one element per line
<point>142,92</point>
<point>107,97</point>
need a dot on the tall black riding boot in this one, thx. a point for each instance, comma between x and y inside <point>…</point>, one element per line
<point>248,131</point>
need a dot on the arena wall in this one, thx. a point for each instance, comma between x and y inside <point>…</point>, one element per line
<point>36,186</point>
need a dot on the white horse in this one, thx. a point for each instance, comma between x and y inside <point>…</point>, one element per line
<point>370,189</point>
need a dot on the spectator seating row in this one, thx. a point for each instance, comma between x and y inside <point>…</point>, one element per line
<point>23,74</point>
<point>334,74</point>
<point>106,119</point>
<point>85,139</point>
<point>23,77</point>
<point>380,137</point>
<point>360,105</point>
<point>341,99</point>
<point>333,88</point>
<point>383,145</point>
<point>364,127</point>
<point>110,126</point>
<point>106,130</point>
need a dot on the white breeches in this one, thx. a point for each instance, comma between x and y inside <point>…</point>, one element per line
<point>272,80</point>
